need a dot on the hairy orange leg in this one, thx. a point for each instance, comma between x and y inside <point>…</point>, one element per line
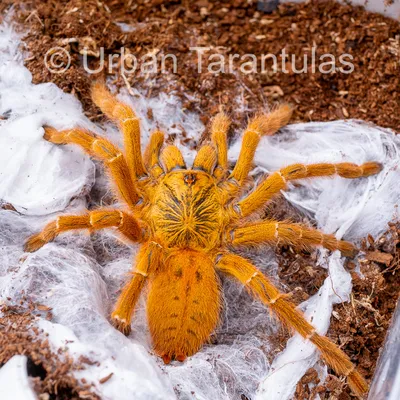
<point>278,181</point>
<point>300,236</point>
<point>260,287</point>
<point>219,131</point>
<point>206,159</point>
<point>148,259</point>
<point>93,220</point>
<point>129,124</point>
<point>104,151</point>
<point>263,125</point>
<point>152,164</point>
<point>171,158</point>
<point>152,154</point>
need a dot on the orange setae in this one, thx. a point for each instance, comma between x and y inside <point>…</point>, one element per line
<point>183,304</point>
<point>190,221</point>
<point>186,212</point>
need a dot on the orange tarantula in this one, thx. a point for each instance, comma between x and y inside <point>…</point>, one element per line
<point>191,221</point>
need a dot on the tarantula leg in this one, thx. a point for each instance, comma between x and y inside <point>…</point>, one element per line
<point>278,180</point>
<point>94,220</point>
<point>260,287</point>
<point>129,124</point>
<point>205,159</point>
<point>262,125</point>
<point>219,130</point>
<point>171,158</point>
<point>284,233</point>
<point>103,150</point>
<point>148,259</point>
<point>152,154</point>
<point>122,315</point>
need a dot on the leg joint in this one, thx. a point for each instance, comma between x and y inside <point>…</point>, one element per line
<point>138,272</point>
<point>114,158</point>
<point>282,177</point>
<point>255,132</point>
<point>252,277</point>
<point>350,370</point>
<point>129,119</point>
<point>275,299</point>
<point>311,334</point>
<point>121,215</point>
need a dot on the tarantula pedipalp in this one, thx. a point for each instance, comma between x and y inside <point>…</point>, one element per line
<point>190,221</point>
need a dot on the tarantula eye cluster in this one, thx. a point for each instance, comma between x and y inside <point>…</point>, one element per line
<point>190,221</point>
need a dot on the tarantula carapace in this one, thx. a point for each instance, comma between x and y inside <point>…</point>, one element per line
<point>190,221</point>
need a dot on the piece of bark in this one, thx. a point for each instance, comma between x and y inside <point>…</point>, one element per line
<point>379,257</point>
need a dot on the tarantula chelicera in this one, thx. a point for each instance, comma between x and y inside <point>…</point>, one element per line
<point>190,221</point>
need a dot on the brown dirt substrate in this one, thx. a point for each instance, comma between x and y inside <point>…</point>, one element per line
<point>50,373</point>
<point>370,93</point>
<point>358,327</point>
